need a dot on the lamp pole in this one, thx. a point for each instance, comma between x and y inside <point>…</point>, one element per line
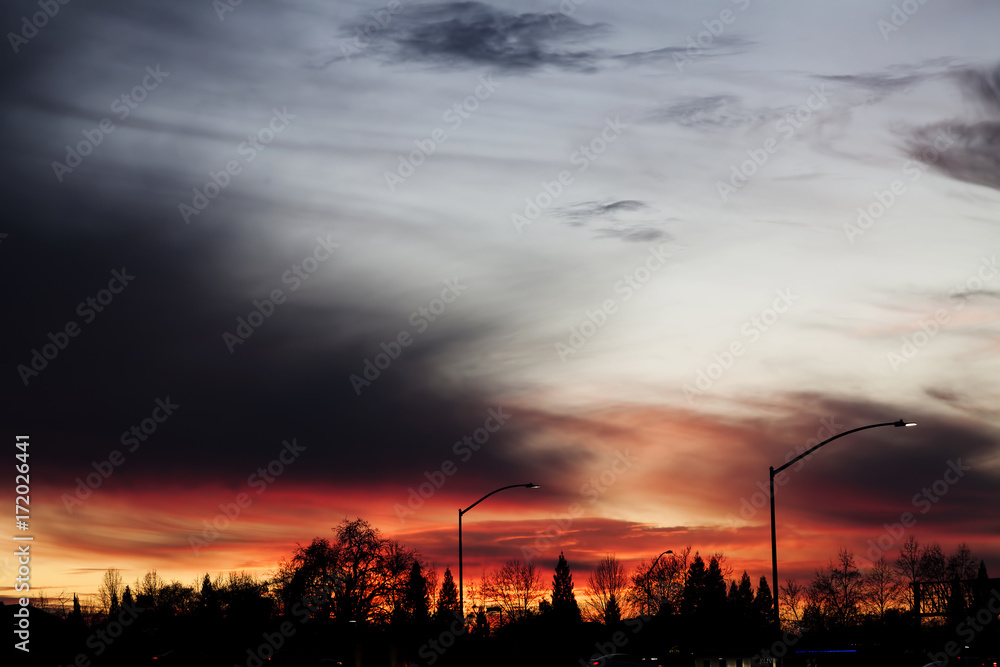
<point>461,512</point>
<point>774,471</point>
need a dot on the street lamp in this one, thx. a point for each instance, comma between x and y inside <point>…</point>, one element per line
<point>461,583</point>
<point>775,471</point>
<point>649,573</point>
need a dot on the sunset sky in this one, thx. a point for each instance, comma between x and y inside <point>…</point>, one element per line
<point>635,253</point>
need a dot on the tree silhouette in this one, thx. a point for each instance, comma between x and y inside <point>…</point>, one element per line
<point>416,600</point>
<point>612,612</point>
<point>763,604</point>
<point>882,587</point>
<point>515,587</point>
<point>564,605</point>
<point>740,600</point>
<point>835,592</point>
<point>447,603</point>
<point>607,581</point>
<point>127,599</point>
<point>109,591</point>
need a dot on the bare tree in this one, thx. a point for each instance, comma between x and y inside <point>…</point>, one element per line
<point>515,587</point>
<point>110,590</point>
<point>908,566</point>
<point>656,584</point>
<point>607,582</point>
<point>962,565</point>
<point>933,566</point>
<point>792,600</point>
<point>837,591</point>
<point>882,588</point>
<point>147,589</point>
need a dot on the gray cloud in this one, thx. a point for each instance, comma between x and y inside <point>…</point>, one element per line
<point>607,219</point>
<point>476,34</point>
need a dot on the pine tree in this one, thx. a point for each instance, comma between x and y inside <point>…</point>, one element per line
<point>416,600</point>
<point>694,587</point>
<point>564,604</point>
<point>613,612</point>
<point>763,603</point>
<point>742,604</point>
<point>128,601</point>
<point>447,603</point>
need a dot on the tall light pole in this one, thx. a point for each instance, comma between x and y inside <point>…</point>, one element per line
<point>649,573</point>
<point>461,581</point>
<point>775,471</point>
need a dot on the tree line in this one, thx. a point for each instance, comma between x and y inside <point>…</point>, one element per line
<point>362,586</point>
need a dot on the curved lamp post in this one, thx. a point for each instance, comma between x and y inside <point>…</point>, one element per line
<point>461,583</point>
<point>649,573</point>
<point>775,471</point>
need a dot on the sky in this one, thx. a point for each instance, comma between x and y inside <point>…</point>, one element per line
<point>270,266</point>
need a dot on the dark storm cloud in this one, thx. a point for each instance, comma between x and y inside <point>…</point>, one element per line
<point>161,336</point>
<point>966,151</point>
<point>473,33</point>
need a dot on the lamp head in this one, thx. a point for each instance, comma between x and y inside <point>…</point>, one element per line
<point>904,423</point>
<point>529,485</point>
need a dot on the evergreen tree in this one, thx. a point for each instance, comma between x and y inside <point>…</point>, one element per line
<point>416,599</point>
<point>612,612</point>
<point>209,603</point>
<point>447,603</point>
<point>127,599</point>
<point>763,605</point>
<point>694,587</point>
<point>564,604</point>
<point>742,603</point>
<point>714,601</point>
<point>75,619</point>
